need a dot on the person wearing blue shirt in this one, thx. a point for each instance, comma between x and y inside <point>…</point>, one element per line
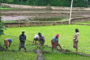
<point>22,39</point>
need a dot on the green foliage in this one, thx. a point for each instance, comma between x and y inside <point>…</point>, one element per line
<point>66,36</point>
<point>81,3</point>
<point>87,22</point>
<point>67,56</point>
<point>10,1</point>
<point>66,40</point>
<point>1,27</point>
<point>17,56</point>
<point>77,3</point>
<point>60,3</point>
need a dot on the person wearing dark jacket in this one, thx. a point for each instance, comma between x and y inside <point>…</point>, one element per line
<point>41,39</point>
<point>22,39</point>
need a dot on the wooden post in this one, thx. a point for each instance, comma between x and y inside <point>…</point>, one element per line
<point>71,12</point>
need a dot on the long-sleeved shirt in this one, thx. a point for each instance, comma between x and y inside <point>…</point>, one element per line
<point>42,39</point>
<point>22,38</point>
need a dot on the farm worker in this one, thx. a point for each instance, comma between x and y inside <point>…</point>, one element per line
<point>22,39</point>
<point>75,41</point>
<point>54,42</point>
<point>36,38</point>
<point>7,42</point>
<point>41,40</point>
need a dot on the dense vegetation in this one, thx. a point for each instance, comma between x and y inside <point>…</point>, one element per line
<point>17,55</point>
<point>66,40</point>
<point>84,23</point>
<point>77,3</point>
<point>1,27</point>
<point>66,36</point>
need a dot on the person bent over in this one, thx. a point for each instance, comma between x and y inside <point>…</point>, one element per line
<point>75,40</point>
<point>22,39</point>
<point>7,42</point>
<point>36,39</point>
<point>54,42</point>
<point>41,40</point>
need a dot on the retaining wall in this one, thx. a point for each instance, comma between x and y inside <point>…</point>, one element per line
<point>34,24</point>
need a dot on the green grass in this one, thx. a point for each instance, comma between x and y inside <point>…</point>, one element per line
<point>17,56</point>
<point>66,35</point>
<point>4,7</point>
<point>88,22</point>
<point>65,57</point>
<point>66,39</point>
<point>10,21</point>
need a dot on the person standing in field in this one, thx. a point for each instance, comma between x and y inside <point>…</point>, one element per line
<point>41,40</point>
<point>36,39</point>
<point>7,42</point>
<point>54,42</point>
<point>22,39</point>
<point>75,41</point>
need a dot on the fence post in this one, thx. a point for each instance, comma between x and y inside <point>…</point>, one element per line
<point>71,12</point>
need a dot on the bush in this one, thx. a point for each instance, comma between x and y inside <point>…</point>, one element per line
<point>1,27</point>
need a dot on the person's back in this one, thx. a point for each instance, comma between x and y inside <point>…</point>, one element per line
<point>7,42</point>
<point>41,39</point>
<point>36,36</point>
<point>54,42</point>
<point>54,39</point>
<point>36,39</point>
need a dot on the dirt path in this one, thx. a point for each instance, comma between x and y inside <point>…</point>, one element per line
<point>40,55</point>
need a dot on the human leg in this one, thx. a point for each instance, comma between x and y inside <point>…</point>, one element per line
<point>20,46</point>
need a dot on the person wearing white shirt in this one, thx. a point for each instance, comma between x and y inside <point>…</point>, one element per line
<point>36,38</point>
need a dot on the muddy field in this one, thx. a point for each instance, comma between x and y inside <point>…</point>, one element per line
<point>23,12</point>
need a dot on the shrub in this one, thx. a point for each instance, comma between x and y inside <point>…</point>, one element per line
<point>1,27</point>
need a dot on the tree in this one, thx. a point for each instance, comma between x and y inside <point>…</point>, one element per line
<point>66,3</point>
<point>10,1</point>
<point>88,2</point>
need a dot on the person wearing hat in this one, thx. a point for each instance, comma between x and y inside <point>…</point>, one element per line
<point>41,39</point>
<point>75,40</point>
<point>7,42</point>
<point>22,39</point>
<point>54,42</point>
